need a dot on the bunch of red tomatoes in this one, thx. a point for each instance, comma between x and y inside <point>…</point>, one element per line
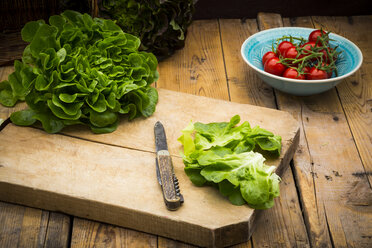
<point>297,58</point>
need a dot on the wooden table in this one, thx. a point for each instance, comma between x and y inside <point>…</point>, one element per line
<point>326,196</point>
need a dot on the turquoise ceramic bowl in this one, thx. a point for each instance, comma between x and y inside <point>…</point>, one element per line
<point>258,44</point>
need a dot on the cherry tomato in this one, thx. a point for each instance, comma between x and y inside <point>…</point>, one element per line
<point>291,52</point>
<point>292,73</point>
<point>306,70</point>
<point>329,73</point>
<point>284,45</point>
<point>313,37</point>
<point>307,47</point>
<point>315,74</point>
<point>274,66</point>
<point>268,56</point>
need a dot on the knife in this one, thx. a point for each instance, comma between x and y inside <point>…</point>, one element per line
<point>164,170</point>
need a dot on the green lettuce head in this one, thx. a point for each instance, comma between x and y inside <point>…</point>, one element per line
<point>160,24</point>
<point>79,70</point>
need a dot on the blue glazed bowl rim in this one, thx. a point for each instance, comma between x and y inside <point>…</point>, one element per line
<point>335,36</point>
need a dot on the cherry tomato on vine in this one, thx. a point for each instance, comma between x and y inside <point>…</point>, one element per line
<point>313,37</point>
<point>284,45</point>
<point>306,70</point>
<point>292,73</point>
<point>268,56</point>
<point>308,45</point>
<point>290,53</point>
<point>274,66</point>
<point>330,72</point>
<point>307,48</point>
<point>316,74</point>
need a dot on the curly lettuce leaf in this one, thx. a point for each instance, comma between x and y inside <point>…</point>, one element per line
<point>258,184</point>
<point>239,139</point>
<point>160,25</point>
<point>225,154</point>
<point>7,98</point>
<point>80,70</point>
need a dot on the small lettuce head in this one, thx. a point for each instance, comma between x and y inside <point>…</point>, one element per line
<point>79,70</point>
<point>229,157</point>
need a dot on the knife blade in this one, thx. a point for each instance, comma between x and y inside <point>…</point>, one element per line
<point>164,170</point>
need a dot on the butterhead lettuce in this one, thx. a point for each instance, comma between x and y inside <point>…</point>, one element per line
<point>79,70</point>
<point>225,155</point>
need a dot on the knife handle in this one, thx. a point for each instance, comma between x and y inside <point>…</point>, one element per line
<point>171,199</point>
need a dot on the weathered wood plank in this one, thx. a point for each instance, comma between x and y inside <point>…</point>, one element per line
<point>356,199</point>
<point>198,68</point>
<point>168,243</point>
<point>244,84</point>
<point>30,227</point>
<point>269,20</point>
<point>303,163</point>
<point>94,234</point>
<point>335,161</point>
<point>283,223</point>
<point>22,226</point>
<point>11,47</point>
<point>58,232</point>
<point>355,92</point>
<point>244,245</point>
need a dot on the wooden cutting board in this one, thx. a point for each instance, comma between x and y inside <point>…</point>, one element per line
<point>111,177</point>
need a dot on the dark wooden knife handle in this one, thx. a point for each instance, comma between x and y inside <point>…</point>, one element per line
<point>172,200</point>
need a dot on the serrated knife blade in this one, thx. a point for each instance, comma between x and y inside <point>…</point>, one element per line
<point>164,170</point>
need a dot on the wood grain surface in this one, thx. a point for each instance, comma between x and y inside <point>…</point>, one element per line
<point>11,48</point>
<point>198,68</point>
<point>326,194</point>
<point>283,223</point>
<point>317,226</point>
<point>94,234</point>
<point>332,151</point>
<point>29,227</point>
<point>355,92</point>
<point>88,179</point>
